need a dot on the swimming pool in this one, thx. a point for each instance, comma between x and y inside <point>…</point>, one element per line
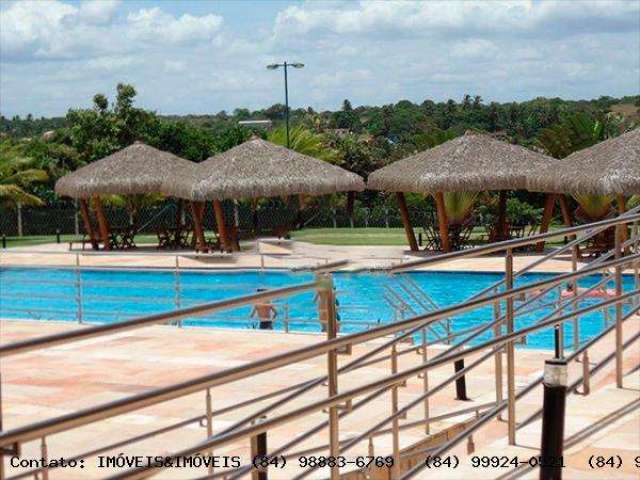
<point>114,295</point>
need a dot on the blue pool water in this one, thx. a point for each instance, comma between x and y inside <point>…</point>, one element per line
<point>112,296</point>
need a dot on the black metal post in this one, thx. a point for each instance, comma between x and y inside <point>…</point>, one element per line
<point>4,241</point>
<point>286,102</point>
<point>556,338</point>
<point>553,410</point>
<point>461,384</point>
<point>259,451</point>
<point>57,235</point>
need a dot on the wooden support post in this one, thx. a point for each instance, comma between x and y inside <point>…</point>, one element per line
<point>503,233</point>
<point>547,215</point>
<point>103,225</point>
<point>406,221</point>
<point>222,227</point>
<point>196,213</point>
<point>443,222</point>
<point>564,208</point>
<point>88,226</point>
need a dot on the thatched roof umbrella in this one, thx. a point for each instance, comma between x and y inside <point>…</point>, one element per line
<point>258,168</point>
<point>611,167</point>
<point>472,162</point>
<point>136,169</point>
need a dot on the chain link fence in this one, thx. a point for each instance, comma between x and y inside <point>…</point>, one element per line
<point>31,221</point>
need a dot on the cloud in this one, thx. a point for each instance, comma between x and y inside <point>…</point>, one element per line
<point>487,18</point>
<point>53,30</point>
<point>155,25</point>
<point>56,54</point>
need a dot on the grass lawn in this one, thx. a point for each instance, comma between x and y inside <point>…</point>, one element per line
<point>320,236</point>
<point>351,236</point>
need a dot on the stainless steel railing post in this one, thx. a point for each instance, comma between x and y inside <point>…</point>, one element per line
<point>45,458</point>
<point>177,286</point>
<point>327,313</point>
<point>618,282</point>
<point>209,410</point>
<point>498,355</point>
<point>395,425</point>
<point>586,381</point>
<point>511,382</point>
<point>425,382</point>
<point>79,312</point>
<point>574,283</point>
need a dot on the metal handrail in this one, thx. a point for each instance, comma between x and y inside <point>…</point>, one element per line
<point>394,379</point>
<point>491,414</point>
<point>159,395</point>
<point>427,319</point>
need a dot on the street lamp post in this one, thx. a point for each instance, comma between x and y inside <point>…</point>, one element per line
<point>285,65</point>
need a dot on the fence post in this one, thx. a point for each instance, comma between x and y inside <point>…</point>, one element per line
<point>19,205</point>
<point>386,217</point>
<point>366,218</point>
<point>327,314</point>
<point>333,217</point>
<point>553,410</point>
<point>511,383</point>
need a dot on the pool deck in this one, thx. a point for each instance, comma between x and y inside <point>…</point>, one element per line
<point>266,254</point>
<point>61,380</point>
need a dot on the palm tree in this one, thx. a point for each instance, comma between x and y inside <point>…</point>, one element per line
<point>17,173</point>
<point>574,133</point>
<point>459,206</point>
<point>303,141</point>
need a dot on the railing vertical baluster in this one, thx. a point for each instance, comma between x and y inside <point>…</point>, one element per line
<point>511,383</point>
<point>45,458</point>
<point>498,355</point>
<point>79,313</point>
<point>209,410</point>
<point>177,287</point>
<point>285,318</point>
<point>586,372</point>
<point>574,284</point>
<point>395,425</point>
<point>618,281</point>
<point>425,382</point>
<point>327,314</point>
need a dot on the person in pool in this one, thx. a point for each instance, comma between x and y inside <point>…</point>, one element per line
<point>266,312</point>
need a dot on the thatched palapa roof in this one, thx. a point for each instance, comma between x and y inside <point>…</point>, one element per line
<point>258,168</point>
<point>472,162</point>
<point>610,167</point>
<point>136,169</point>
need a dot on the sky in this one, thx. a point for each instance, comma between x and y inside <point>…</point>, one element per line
<point>209,55</point>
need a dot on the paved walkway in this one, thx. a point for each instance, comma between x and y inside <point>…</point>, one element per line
<point>265,254</point>
<point>61,380</point>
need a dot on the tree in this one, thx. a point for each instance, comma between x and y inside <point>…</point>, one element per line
<point>17,173</point>
<point>303,141</point>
